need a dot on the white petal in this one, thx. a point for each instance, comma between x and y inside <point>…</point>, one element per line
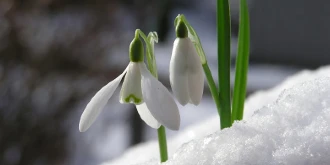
<point>159,100</point>
<point>186,72</point>
<point>178,72</point>
<point>131,88</point>
<point>195,75</point>
<point>146,116</point>
<point>196,87</point>
<point>98,102</point>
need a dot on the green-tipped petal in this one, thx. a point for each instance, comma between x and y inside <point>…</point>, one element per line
<point>131,89</point>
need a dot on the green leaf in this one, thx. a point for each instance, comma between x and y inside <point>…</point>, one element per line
<point>242,62</point>
<point>223,35</point>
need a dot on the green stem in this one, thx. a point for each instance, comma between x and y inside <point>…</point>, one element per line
<point>223,34</point>
<point>162,144</point>
<point>151,61</point>
<point>242,63</point>
<point>152,37</point>
<point>213,89</point>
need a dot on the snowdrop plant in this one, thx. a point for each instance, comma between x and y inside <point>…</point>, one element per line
<point>183,26</point>
<point>186,72</point>
<point>153,101</point>
<point>183,54</point>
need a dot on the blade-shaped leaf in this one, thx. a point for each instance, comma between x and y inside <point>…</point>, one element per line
<point>242,62</point>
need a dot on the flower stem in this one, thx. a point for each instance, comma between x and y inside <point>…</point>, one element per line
<point>152,37</point>
<point>223,35</point>
<point>162,143</point>
<point>242,63</point>
<point>213,89</point>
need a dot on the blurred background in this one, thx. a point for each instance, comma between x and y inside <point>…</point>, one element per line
<point>55,54</point>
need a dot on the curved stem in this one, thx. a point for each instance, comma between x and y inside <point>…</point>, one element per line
<point>213,88</point>
<point>151,61</point>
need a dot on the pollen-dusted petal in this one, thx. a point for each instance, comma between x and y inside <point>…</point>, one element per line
<point>179,70</point>
<point>146,116</point>
<point>98,102</point>
<point>159,100</point>
<point>131,88</point>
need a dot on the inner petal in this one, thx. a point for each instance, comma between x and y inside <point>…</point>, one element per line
<point>131,89</point>
<point>146,116</point>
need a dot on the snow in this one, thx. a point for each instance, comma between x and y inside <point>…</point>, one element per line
<point>293,130</point>
<point>285,131</point>
<point>262,98</point>
<point>288,124</point>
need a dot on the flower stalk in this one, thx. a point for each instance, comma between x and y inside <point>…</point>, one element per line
<point>162,143</point>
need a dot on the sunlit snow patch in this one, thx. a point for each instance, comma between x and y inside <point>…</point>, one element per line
<point>294,129</point>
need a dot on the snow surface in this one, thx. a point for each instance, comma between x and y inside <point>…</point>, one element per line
<point>283,125</point>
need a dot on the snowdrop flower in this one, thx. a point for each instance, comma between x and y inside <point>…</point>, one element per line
<point>153,101</point>
<point>186,72</point>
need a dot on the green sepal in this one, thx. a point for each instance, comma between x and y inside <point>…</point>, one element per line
<point>181,30</point>
<point>136,50</point>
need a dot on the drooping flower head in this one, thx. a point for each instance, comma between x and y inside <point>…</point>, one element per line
<point>153,101</point>
<point>186,72</point>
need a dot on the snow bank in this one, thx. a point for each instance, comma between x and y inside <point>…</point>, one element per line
<point>294,129</point>
<point>262,98</point>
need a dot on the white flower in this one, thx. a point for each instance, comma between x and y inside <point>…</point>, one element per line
<point>186,72</point>
<point>153,101</point>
